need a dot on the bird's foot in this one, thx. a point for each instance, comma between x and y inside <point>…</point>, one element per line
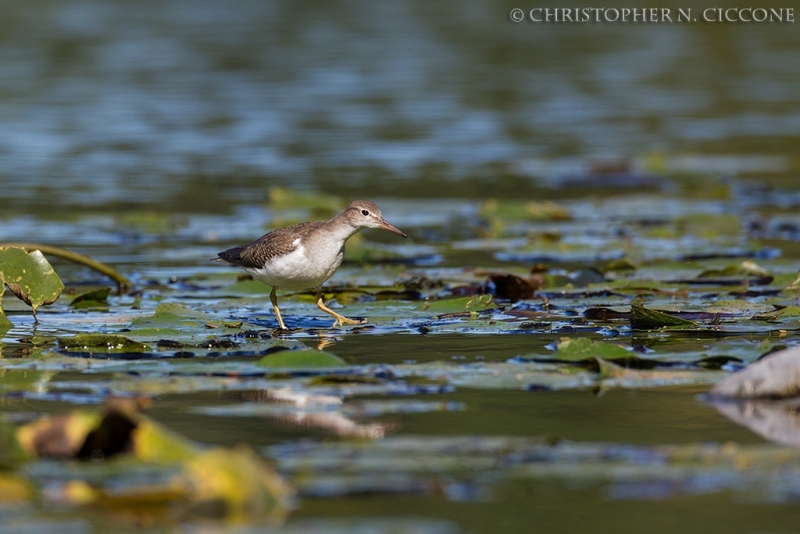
<point>341,320</point>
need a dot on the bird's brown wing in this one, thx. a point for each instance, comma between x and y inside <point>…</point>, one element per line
<point>266,247</point>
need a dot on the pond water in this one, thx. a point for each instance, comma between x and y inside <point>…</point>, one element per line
<point>603,165</point>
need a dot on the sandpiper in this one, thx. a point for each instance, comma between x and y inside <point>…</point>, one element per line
<point>305,255</point>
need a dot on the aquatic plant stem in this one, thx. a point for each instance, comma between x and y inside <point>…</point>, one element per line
<point>51,250</point>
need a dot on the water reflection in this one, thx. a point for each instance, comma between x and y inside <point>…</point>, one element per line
<point>775,420</point>
<point>316,411</point>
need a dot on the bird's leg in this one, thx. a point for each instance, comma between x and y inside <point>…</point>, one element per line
<point>274,299</point>
<point>340,319</point>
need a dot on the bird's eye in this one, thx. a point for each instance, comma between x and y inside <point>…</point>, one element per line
<point>365,213</point>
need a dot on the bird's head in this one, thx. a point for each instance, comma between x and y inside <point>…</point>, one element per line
<point>364,214</point>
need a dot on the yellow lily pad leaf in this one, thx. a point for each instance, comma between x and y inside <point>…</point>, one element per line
<point>154,443</point>
<point>239,481</point>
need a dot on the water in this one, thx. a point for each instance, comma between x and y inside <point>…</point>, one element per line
<point>110,103</point>
<point>148,136</point>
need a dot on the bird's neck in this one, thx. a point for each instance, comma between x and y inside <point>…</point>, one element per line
<point>340,229</point>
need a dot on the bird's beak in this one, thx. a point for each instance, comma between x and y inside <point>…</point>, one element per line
<point>386,226</point>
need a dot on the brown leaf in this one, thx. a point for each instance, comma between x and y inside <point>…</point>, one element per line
<point>56,437</point>
<point>509,286</point>
<point>83,435</point>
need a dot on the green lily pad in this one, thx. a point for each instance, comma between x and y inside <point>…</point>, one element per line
<point>91,299</point>
<point>789,312</point>
<point>155,443</point>
<point>101,343</point>
<point>580,349</point>
<point>463,304</point>
<point>177,322</point>
<point>301,359</point>
<point>29,276</point>
<point>642,318</point>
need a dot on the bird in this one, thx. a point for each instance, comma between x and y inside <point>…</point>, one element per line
<point>304,256</point>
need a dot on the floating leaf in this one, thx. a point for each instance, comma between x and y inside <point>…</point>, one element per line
<point>177,322</point>
<point>525,376</point>
<point>464,304</point>
<point>100,343</point>
<point>90,299</point>
<point>154,443</point>
<point>789,312</point>
<point>29,276</point>
<point>240,481</point>
<point>644,319</point>
<point>580,349</point>
<point>301,359</point>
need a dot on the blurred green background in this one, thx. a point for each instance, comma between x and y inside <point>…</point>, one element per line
<point>198,105</point>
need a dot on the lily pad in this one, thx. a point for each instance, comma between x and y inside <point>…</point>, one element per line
<point>301,359</point>
<point>91,299</point>
<point>29,276</point>
<point>240,480</point>
<point>177,322</point>
<point>463,304</point>
<point>643,318</point>
<point>581,349</point>
<point>101,343</point>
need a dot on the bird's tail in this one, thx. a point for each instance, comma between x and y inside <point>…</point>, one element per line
<point>232,255</point>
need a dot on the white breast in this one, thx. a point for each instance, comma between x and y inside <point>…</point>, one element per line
<point>300,269</point>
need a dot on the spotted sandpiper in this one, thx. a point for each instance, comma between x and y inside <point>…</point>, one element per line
<point>305,255</point>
